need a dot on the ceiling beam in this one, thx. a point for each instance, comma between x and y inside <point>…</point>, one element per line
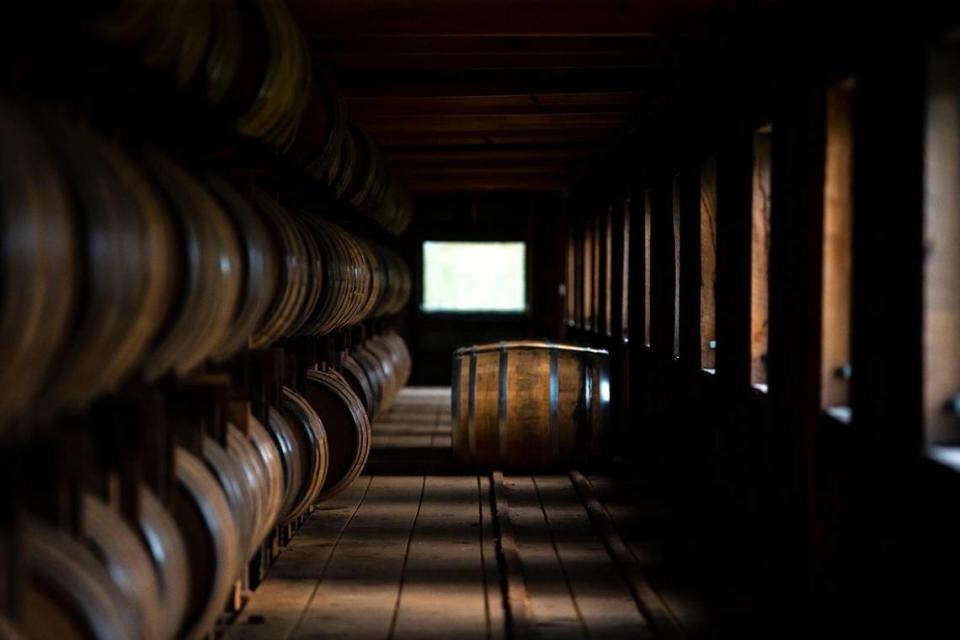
<point>492,138</point>
<point>497,123</point>
<point>412,172</point>
<point>502,17</point>
<point>365,107</point>
<point>487,156</point>
<point>471,185</point>
<point>485,82</point>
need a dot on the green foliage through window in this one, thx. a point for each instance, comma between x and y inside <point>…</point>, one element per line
<point>474,277</point>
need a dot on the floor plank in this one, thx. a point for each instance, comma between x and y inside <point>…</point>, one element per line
<point>552,606</point>
<point>443,593</point>
<point>358,593</point>
<point>491,571</point>
<point>279,602</point>
<point>606,605</point>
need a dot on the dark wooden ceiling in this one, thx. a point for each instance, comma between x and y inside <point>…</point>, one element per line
<point>503,95</point>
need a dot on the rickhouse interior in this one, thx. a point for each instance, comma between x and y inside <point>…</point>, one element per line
<point>493,319</point>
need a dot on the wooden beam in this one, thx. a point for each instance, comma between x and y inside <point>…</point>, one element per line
<point>365,44</point>
<point>525,82</point>
<point>353,62</point>
<point>503,17</point>
<point>498,123</point>
<point>367,107</point>
<point>486,156</point>
<point>472,185</point>
<point>413,172</point>
<point>493,138</point>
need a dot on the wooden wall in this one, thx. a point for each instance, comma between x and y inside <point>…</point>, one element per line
<point>805,513</point>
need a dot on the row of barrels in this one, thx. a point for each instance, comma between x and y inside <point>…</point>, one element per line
<point>119,264</point>
<point>169,573</point>
<point>250,59</point>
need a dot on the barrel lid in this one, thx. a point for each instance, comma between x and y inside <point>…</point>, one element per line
<point>512,345</point>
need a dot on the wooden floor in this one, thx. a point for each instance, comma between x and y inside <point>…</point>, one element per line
<point>418,549</point>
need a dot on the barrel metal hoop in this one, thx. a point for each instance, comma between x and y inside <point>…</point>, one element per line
<point>584,408</point>
<point>554,402</point>
<point>472,406</point>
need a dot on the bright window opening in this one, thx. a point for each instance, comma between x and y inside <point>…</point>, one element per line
<point>625,292</point>
<point>571,289</point>
<point>647,280</point>
<point>608,272</point>
<point>708,263</point>
<point>941,340</point>
<point>760,257</point>
<point>676,265</point>
<point>474,277</point>
<point>837,252</point>
<point>588,276</point>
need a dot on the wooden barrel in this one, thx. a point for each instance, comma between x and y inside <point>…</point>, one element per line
<point>260,266</point>
<point>126,260</point>
<point>346,424</point>
<point>126,560</point>
<point>319,145</point>
<point>293,265</point>
<point>67,592</point>
<point>168,552</point>
<point>172,35</point>
<point>211,266</point>
<point>370,365</point>
<point>311,445</point>
<point>269,457</point>
<point>282,433</point>
<point>355,375</point>
<point>388,365</point>
<point>347,279</point>
<point>213,547</point>
<point>257,484</point>
<point>229,472</point>
<point>37,283</point>
<point>529,405</point>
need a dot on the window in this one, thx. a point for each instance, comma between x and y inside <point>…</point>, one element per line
<point>587,276</point>
<point>708,263</point>
<point>474,277</point>
<point>625,318</point>
<point>676,265</point>
<point>942,248</point>
<point>760,256</point>
<point>597,270</point>
<point>608,272</point>
<point>647,227</point>
<point>570,288</point>
<point>837,252</point>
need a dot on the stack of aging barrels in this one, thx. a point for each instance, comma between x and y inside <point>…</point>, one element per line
<point>128,282</point>
<point>250,60</point>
